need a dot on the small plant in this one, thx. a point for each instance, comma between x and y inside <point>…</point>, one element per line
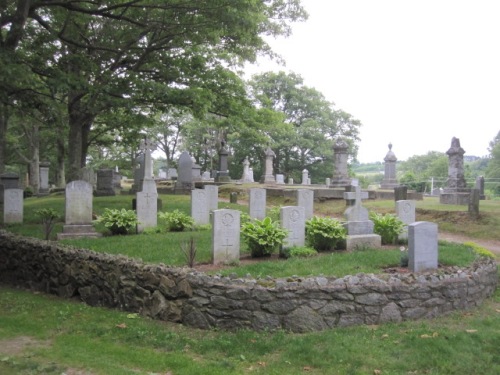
<point>274,213</point>
<point>263,237</point>
<point>387,226</point>
<point>176,220</point>
<point>404,260</point>
<point>299,252</point>
<point>189,250</point>
<point>152,230</point>
<point>48,216</point>
<point>118,221</point>
<point>479,250</point>
<point>28,192</point>
<point>324,233</point>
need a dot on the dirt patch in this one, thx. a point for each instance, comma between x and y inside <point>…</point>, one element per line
<point>19,344</point>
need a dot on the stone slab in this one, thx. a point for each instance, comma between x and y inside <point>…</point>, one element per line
<point>292,219</point>
<point>422,246</point>
<point>225,236</point>
<point>354,242</point>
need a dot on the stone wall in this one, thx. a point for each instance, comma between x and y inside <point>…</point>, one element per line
<point>199,300</point>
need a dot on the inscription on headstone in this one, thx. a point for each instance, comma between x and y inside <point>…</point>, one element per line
<point>293,219</point>
<point>225,236</point>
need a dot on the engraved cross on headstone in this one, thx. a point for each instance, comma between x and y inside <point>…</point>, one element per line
<point>356,195</point>
<point>226,246</point>
<point>147,146</point>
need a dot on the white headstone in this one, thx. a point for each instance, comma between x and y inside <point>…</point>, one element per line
<point>305,198</point>
<point>257,203</point>
<point>12,206</point>
<point>280,179</point>
<point>205,176</point>
<point>328,181</point>
<point>225,236</point>
<point>422,246</point>
<point>405,211</point>
<point>212,196</point>
<point>247,171</point>
<point>147,205</point>
<point>293,219</point>
<point>305,177</point>
<point>199,207</point>
<point>290,181</point>
<point>78,208</point>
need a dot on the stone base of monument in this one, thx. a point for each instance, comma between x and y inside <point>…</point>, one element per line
<point>105,192</point>
<point>78,231</point>
<point>459,197</point>
<point>361,241</point>
<point>268,179</point>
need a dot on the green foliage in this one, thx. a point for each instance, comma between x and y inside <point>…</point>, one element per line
<point>263,236</point>
<point>298,252</point>
<point>118,221</point>
<point>274,213</point>
<point>188,248</point>
<point>28,192</point>
<point>48,217</point>
<point>324,233</point>
<point>479,250</point>
<point>176,220</point>
<point>403,262</point>
<point>388,226</point>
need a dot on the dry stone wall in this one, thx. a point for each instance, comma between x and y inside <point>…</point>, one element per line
<point>198,300</point>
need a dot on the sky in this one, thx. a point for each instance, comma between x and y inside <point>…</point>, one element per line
<point>416,73</point>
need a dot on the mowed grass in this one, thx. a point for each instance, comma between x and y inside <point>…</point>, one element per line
<point>70,337</point>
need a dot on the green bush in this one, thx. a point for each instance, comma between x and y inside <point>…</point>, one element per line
<point>48,217</point>
<point>263,237</point>
<point>176,220</point>
<point>324,233</point>
<point>118,221</point>
<point>387,226</point>
<point>28,192</point>
<point>299,252</point>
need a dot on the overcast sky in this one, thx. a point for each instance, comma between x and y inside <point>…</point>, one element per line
<point>415,72</point>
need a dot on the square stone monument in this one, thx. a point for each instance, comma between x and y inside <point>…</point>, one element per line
<point>257,203</point>
<point>199,206</point>
<point>225,236</point>
<point>105,183</point>
<point>13,206</point>
<point>293,219</point>
<point>422,246</point>
<point>305,198</point>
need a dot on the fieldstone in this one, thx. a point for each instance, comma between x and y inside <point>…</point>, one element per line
<point>304,319</point>
<point>390,313</point>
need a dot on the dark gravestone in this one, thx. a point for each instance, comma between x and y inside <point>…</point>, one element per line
<point>401,193</point>
<point>104,183</point>
<point>8,181</point>
<point>233,197</point>
<point>474,203</point>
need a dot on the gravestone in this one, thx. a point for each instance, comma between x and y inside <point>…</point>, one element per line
<point>280,179</point>
<point>205,176</point>
<point>305,198</point>
<point>199,207</point>
<point>401,193</point>
<point>474,203</point>
<point>359,227</point>
<point>247,172</point>
<point>456,191</point>
<point>233,197</point>
<point>105,181</point>
<point>223,172</point>
<point>341,173</point>
<point>225,236</point>
<point>405,211</point>
<point>212,196</point>
<point>13,206</point>
<point>147,198</point>
<point>328,181</point>
<point>480,187</point>
<point>305,177</point>
<point>422,246</point>
<point>290,181</point>
<point>43,189</point>
<point>268,177</point>
<point>88,175</point>
<point>292,219</point>
<point>8,180</point>
<point>138,173</point>
<point>195,171</point>
<point>78,211</point>
<point>185,171</point>
<point>171,174</point>
<point>389,180</point>
<point>257,203</point>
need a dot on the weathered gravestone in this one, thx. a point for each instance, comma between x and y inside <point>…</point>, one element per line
<point>147,198</point>
<point>293,220</point>
<point>247,172</point>
<point>212,196</point>
<point>456,191</point>
<point>78,211</point>
<point>480,187</point>
<point>225,236</point>
<point>359,227</point>
<point>280,179</point>
<point>257,203</point>
<point>305,177</point>
<point>305,198</point>
<point>268,177</point>
<point>341,172</point>
<point>13,206</point>
<point>405,211</point>
<point>140,165</point>
<point>422,246</point>
<point>8,180</point>
<point>199,207</point>
<point>43,189</point>
<point>389,180</point>
<point>105,183</point>
<point>185,171</point>
<point>401,193</point>
<point>474,198</point>
<point>223,172</point>
<point>233,197</point>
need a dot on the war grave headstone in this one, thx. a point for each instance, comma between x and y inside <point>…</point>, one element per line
<point>104,183</point>
<point>390,160</point>
<point>341,173</point>
<point>8,180</point>
<point>405,211</point>
<point>422,246</point>
<point>305,198</point>
<point>185,171</point>
<point>305,177</point>
<point>225,236</point>
<point>199,206</point>
<point>280,179</point>
<point>147,198</point>
<point>456,191</point>
<point>257,203</point>
<point>292,219</point>
<point>359,227</point>
<point>268,177</point>
<point>212,196</point>
<point>43,188</point>
<point>13,206</point>
<point>78,211</point>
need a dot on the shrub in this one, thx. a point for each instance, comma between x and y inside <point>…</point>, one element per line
<point>263,237</point>
<point>324,233</point>
<point>118,221</point>
<point>388,226</point>
<point>28,192</point>
<point>299,252</point>
<point>176,220</point>
<point>48,216</point>
<point>479,250</point>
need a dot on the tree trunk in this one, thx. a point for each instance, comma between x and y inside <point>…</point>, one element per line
<point>3,136</point>
<point>60,178</point>
<point>34,170</point>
